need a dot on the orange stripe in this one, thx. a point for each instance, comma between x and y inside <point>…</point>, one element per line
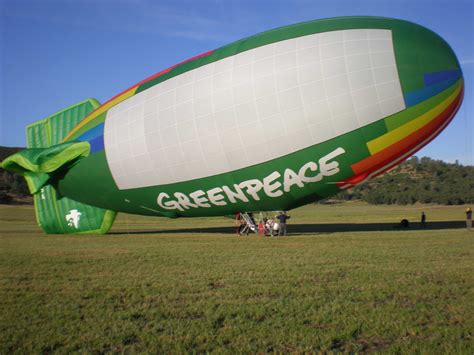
<point>102,108</point>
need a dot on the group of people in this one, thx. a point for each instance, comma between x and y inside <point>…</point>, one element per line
<point>276,226</point>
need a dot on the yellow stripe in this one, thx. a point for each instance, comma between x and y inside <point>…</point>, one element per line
<point>401,132</point>
<point>102,109</point>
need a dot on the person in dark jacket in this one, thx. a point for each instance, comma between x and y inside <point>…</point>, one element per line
<point>423,220</point>
<point>282,218</point>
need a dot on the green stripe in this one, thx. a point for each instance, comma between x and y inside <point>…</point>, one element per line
<point>374,130</point>
<point>89,125</point>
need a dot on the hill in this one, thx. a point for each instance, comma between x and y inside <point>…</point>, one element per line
<point>417,180</point>
<point>422,180</point>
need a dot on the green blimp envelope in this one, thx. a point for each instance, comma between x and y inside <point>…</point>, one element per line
<point>270,122</point>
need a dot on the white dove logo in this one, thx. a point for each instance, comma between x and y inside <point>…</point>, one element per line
<point>73,218</point>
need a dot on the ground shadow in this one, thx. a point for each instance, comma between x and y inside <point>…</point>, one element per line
<point>301,229</point>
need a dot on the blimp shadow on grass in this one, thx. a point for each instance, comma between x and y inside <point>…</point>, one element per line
<point>270,122</point>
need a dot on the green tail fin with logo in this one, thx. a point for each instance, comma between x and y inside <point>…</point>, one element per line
<point>46,154</point>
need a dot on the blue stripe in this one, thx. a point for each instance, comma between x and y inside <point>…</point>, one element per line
<point>97,144</point>
<point>415,97</point>
<point>437,77</point>
<point>92,133</point>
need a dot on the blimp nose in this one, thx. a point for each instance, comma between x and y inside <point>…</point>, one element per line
<point>431,83</point>
<point>426,65</point>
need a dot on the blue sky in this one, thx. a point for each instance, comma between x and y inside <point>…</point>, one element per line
<point>54,53</point>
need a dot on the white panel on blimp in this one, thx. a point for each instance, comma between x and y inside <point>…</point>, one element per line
<point>253,107</point>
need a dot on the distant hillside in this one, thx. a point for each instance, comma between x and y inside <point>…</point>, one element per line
<point>12,186</point>
<point>417,180</point>
<point>6,151</point>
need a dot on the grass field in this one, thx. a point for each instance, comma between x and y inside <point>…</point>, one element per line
<point>344,280</point>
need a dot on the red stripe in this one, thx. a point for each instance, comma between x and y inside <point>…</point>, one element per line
<point>154,76</point>
<point>172,67</point>
<point>379,160</point>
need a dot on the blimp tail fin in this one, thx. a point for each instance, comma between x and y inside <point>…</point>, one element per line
<point>46,158</point>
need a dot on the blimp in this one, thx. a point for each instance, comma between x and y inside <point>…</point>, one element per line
<point>270,122</point>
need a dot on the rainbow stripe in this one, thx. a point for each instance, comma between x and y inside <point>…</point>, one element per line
<point>405,130</point>
<point>97,116</point>
<point>403,141</point>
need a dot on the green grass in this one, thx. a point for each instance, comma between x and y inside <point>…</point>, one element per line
<point>345,280</point>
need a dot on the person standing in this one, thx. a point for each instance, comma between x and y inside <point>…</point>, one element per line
<point>423,220</point>
<point>469,218</point>
<point>282,218</point>
<point>240,223</point>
